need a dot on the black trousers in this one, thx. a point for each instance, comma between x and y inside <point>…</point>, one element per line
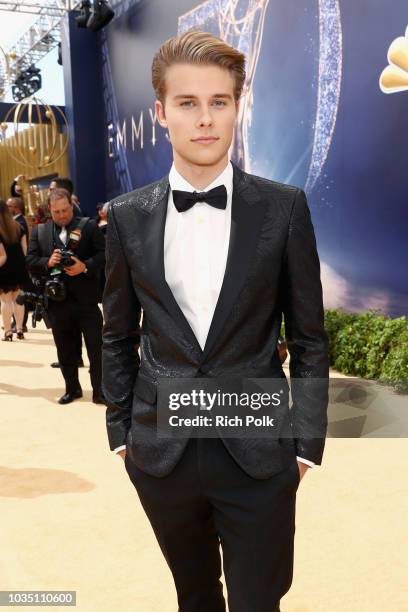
<point>68,319</point>
<point>79,344</point>
<point>208,501</point>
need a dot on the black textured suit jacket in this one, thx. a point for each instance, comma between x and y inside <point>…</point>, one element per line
<point>272,268</point>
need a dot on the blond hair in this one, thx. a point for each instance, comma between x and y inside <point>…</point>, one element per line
<point>199,48</point>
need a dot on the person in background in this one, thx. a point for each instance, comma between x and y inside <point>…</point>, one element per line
<point>13,271</point>
<point>102,215</point>
<point>15,189</point>
<point>78,309</point>
<point>17,209</point>
<point>40,215</point>
<point>64,182</point>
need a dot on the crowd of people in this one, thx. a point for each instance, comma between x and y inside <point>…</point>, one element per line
<point>53,268</point>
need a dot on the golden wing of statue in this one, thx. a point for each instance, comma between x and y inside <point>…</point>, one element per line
<point>394,77</point>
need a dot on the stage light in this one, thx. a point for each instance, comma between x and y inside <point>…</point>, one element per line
<point>85,12</point>
<point>27,83</point>
<point>101,15</point>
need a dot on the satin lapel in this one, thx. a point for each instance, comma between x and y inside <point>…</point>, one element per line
<point>153,253</point>
<point>247,214</point>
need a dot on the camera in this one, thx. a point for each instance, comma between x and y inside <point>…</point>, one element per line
<point>54,288</point>
<point>38,300</point>
<point>66,258</point>
<point>30,297</point>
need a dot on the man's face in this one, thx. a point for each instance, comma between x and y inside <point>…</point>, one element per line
<point>10,206</point>
<point>52,186</point>
<point>61,211</point>
<point>199,112</point>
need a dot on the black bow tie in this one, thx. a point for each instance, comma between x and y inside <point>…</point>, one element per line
<point>217,197</point>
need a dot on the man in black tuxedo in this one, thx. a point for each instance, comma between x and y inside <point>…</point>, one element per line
<point>64,182</point>
<point>79,310</point>
<point>213,257</point>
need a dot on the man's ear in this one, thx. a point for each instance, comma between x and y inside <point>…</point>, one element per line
<point>161,117</point>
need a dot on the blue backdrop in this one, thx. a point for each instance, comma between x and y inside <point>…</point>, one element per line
<point>316,118</point>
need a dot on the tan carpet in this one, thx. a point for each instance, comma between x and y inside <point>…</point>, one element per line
<point>71,518</point>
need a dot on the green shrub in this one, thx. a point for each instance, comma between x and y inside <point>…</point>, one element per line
<point>334,322</point>
<point>394,370</point>
<point>369,345</point>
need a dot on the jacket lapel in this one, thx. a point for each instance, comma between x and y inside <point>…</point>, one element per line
<point>247,213</point>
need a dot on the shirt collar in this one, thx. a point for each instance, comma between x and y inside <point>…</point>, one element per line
<point>68,227</point>
<point>224,178</point>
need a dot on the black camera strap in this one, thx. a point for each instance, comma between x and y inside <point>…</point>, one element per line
<point>41,236</point>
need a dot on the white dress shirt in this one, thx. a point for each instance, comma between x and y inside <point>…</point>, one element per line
<point>195,252</point>
<point>195,255</point>
<point>63,235</point>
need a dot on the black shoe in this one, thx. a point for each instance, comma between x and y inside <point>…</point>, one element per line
<point>56,364</point>
<point>67,398</point>
<point>98,399</point>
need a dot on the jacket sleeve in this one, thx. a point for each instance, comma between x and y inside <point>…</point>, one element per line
<point>97,262</point>
<point>305,334</point>
<point>36,262</point>
<point>121,337</point>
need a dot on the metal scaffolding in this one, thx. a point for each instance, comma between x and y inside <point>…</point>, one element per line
<point>38,40</point>
<point>52,8</point>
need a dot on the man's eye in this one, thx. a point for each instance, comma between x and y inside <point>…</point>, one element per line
<point>219,102</point>
<point>187,103</point>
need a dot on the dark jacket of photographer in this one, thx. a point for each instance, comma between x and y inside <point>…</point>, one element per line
<point>91,250</point>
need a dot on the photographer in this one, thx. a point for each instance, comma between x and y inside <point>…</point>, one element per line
<point>71,252</point>
<point>66,183</point>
